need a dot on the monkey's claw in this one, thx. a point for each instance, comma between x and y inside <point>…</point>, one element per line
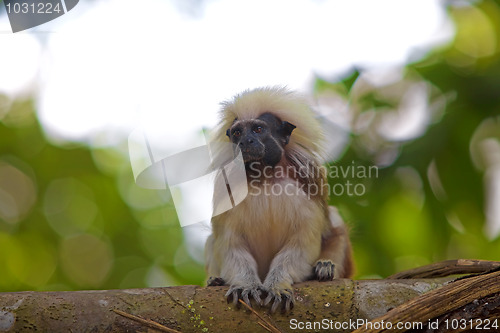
<point>244,293</point>
<point>324,270</point>
<point>282,297</point>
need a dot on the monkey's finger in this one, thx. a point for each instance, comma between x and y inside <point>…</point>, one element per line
<point>277,302</point>
<point>236,297</point>
<point>229,298</point>
<point>287,305</point>
<point>244,296</point>
<point>268,299</point>
<point>233,296</point>
<point>229,295</point>
<point>256,295</point>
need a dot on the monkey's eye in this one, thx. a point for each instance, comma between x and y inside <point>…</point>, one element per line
<point>236,133</point>
<point>257,129</point>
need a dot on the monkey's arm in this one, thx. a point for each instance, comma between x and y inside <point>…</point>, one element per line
<point>229,259</point>
<point>335,259</point>
<point>292,264</point>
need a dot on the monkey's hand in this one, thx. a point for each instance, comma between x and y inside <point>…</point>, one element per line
<point>214,281</point>
<point>244,292</point>
<point>279,294</point>
<point>324,270</point>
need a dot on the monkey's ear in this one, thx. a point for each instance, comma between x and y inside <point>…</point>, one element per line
<point>286,130</point>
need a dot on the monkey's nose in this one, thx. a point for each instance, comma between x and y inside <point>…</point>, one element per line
<point>245,145</point>
<point>246,142</point>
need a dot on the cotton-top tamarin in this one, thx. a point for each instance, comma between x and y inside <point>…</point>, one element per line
<point>283,232</point>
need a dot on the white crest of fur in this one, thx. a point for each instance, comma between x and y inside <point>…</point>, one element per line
<point>283,103</point>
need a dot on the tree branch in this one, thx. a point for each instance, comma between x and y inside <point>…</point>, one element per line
<point>441,301</point>
<point>340,305</point>
<point>199,309</point>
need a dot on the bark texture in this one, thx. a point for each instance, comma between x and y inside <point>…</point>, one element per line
<point>200,309</point>
<point>421,295</point>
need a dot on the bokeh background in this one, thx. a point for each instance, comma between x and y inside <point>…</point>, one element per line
<point>411,87</point>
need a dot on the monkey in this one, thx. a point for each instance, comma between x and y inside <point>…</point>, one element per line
<point>284,231</point>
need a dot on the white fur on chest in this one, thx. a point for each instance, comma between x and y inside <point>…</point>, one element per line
<point>269,216</point>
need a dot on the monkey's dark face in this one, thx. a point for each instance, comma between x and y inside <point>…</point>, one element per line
<point>262,139</point>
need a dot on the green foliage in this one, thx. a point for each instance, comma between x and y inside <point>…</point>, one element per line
<point>429,202</point>
<point>88,224</point>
